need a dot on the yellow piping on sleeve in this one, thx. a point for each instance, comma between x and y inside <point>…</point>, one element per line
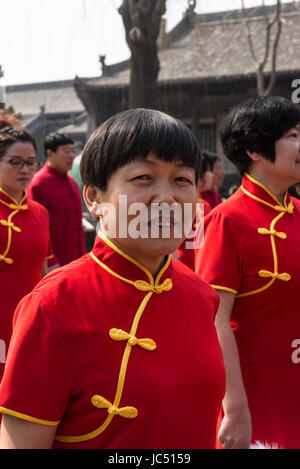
<point>28,418</point>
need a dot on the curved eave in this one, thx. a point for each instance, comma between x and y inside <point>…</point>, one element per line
<point>194,80</point>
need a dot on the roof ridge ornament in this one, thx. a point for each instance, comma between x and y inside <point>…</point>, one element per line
<point>192,5</point>
<point>102,59</point>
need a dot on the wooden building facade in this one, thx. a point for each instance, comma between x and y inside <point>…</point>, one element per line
<point>205,69</point>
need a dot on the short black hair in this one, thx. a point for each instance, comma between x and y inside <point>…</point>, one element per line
<point>134,134</point>
<point>255,125</point>
<point>54,140</point>
<point>293,192</point>
<point>211,159</point>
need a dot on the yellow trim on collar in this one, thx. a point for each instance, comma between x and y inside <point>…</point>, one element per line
<point>15,202</point>
<point>28,418</point>
<point>134,261</point>
<point>279,207</point>
<point>123,254</point>
<point>219,287</point>
<point>260,184</point>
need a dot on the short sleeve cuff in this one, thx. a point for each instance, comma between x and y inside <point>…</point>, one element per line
<point>28,418</point>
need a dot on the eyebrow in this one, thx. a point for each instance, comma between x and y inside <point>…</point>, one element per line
<point>20,157</point>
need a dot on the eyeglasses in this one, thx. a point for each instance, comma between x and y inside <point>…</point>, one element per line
<point>19,163</point>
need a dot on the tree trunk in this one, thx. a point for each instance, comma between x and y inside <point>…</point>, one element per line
<point>142,20</point>
<point>270,48</point>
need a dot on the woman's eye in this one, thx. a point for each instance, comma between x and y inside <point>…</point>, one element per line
<point>184,179</point>
<point>141,177</point>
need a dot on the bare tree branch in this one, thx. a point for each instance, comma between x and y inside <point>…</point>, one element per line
<point>249,35</point>
<point>276,19</point>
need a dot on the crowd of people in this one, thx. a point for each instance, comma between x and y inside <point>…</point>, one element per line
<point>124,346</point>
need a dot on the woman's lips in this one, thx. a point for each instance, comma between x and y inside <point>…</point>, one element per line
<point>24,179</point>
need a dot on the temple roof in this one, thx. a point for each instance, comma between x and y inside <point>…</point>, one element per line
<point>214,47</point>
<point>53,97</point>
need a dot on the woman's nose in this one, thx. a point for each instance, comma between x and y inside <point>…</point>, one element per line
<point>164,194</point>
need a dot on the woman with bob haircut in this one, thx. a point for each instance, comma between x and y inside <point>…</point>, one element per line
<point>250,255</point>
<point>125,352</point>
<point>205,182</point>
<point>24,225</point>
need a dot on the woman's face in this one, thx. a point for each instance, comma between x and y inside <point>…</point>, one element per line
<point>205,183</point>
<point>285,170</point>
<point>287,161</point>
<point>135,191</point>
<point>13,179</point>
<point>218,174</point>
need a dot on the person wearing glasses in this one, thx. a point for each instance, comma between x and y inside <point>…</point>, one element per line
<point>54,188</point>
<point>24,225</point>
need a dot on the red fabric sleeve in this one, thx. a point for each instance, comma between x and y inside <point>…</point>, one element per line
<point>35,192</point>
<point>38,377</point>
<point>218,260</point>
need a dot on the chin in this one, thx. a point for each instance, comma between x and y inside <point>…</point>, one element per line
<point>163,247</point>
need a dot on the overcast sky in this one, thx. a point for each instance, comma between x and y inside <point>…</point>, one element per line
<point>47,40</point>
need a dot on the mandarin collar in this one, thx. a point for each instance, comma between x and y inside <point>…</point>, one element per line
<point>256,190</point>
<point>117,262</point>
<point>54,171</point>
<point>10,202</point>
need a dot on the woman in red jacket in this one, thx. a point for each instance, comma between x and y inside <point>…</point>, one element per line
<point>128,355</point>
<point>250,255</point>
<point>24,225</point>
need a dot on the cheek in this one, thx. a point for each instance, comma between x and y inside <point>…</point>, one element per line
<point>191,194</point>
<point>7,176</point>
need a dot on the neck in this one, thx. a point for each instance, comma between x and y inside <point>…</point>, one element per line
<point>153,264</point>
<point>277,188</point>
<point>16,196</point>
<point>53,166</point>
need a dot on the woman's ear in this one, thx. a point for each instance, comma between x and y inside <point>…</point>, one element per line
<point>254,156</point>
<point>92,198</point>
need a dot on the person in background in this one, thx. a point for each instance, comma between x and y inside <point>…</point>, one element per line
<point>294,190</point>
<point>212,196</point>
<point>56,190</point>
<point>185,253</point>
<point>24,225</point>
<point>125,349</point>
<point>88,221</point>
<point>250,255</point>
